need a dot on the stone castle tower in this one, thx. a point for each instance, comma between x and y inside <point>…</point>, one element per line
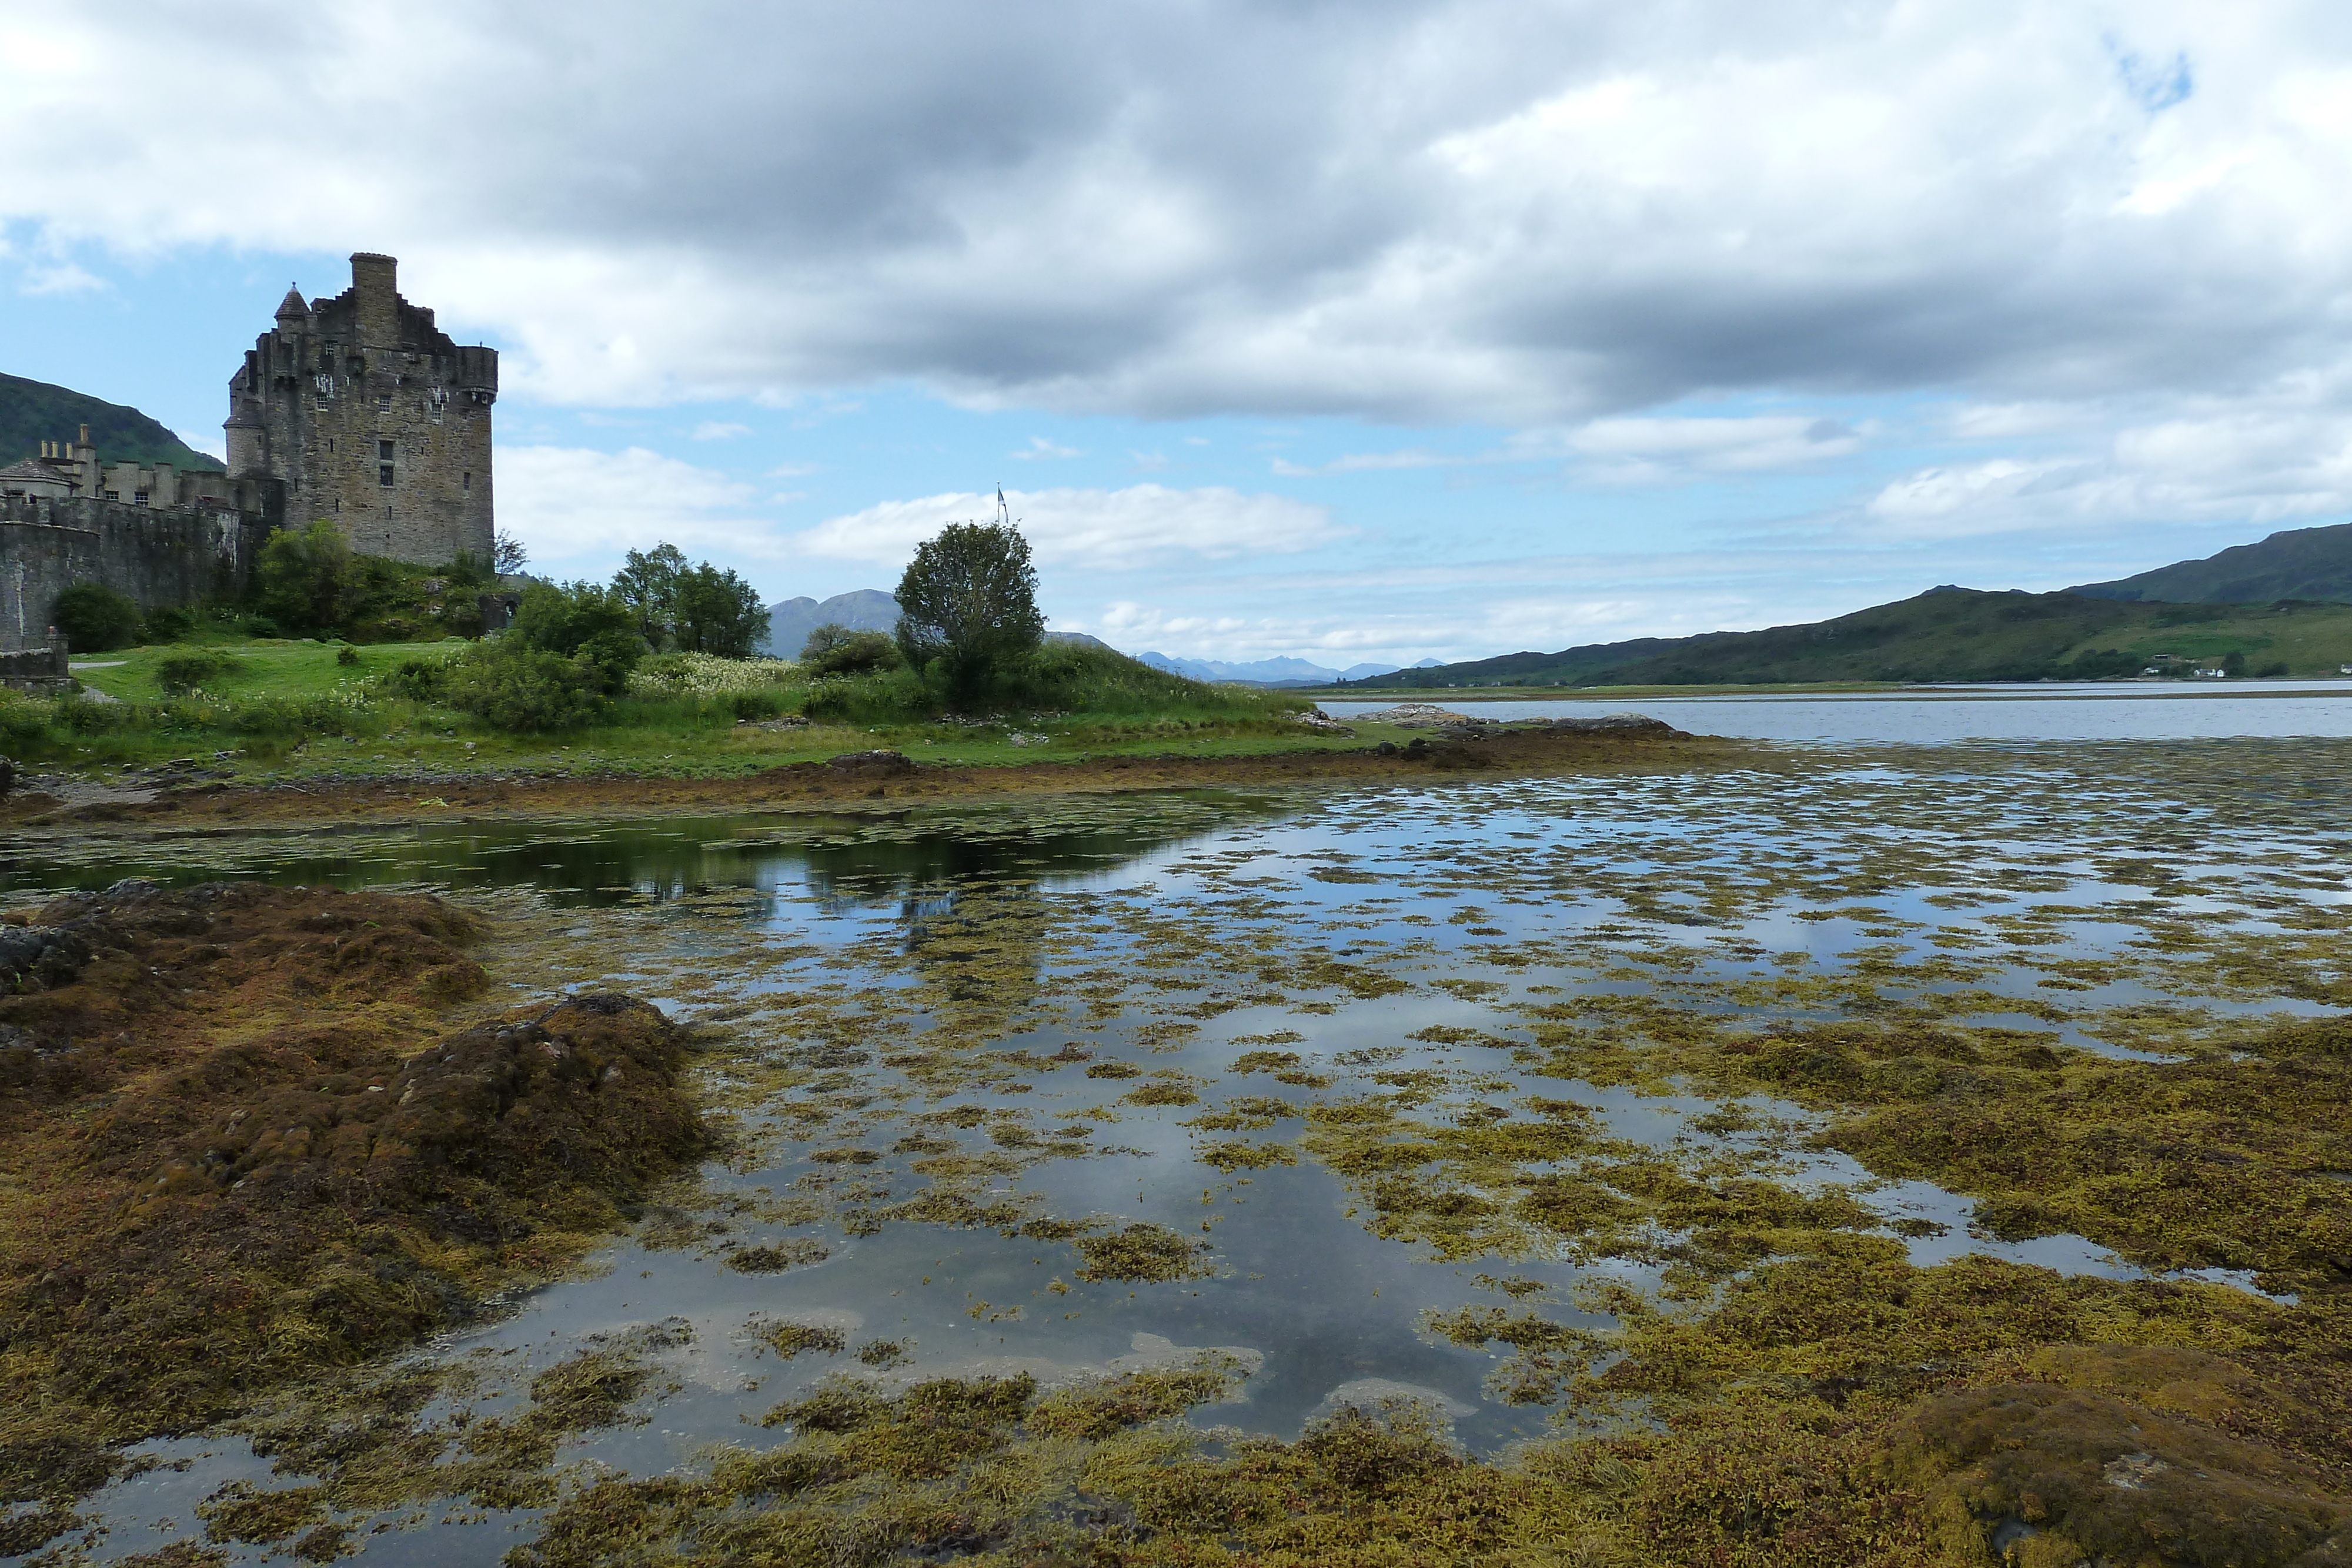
<point>372,418</point>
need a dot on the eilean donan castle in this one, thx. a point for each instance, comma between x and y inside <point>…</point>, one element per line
<point>355,409</point>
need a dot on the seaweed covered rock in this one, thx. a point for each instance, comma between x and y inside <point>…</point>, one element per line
<point>242,1146</point>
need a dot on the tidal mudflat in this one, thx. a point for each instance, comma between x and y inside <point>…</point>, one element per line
<point>1900,1155</point>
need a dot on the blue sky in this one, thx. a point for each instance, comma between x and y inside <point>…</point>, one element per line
<point>1342,332</point>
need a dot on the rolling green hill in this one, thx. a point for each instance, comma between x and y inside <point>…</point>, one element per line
<point>2295,563</point>
<point>1948,634</point>
<point>34,411</point>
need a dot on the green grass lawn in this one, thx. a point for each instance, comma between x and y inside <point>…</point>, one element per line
<point>381,732</point>
<point>271,666</point>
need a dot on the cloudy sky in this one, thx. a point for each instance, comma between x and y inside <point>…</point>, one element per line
<point>1364,330</point>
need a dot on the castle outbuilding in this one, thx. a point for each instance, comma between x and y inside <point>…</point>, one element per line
<point>373,418</point>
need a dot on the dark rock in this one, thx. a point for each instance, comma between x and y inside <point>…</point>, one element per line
<point>39,957</point>
<point>1618,721</point>
<point>885,764</point>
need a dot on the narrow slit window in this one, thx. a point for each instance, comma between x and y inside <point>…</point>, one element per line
<point>466,482</point>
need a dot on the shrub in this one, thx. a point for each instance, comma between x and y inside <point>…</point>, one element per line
<point>893,696</point>
<point>183,670</point>
<point>306,578</point>
<point>835,650</point>
<point>418,679</point>
<point>95,618</point>
<point>169,625</point>
<point>580,622</point>
<point>347,654</point>
<point>22,718</point>
<point>518,687</point>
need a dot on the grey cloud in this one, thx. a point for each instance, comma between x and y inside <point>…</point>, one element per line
<point>1522,212</point>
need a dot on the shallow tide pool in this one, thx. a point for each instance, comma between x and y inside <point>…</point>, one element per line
<point>959,1046</point>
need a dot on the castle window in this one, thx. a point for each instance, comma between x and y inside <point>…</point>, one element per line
<point>384,451</point>
<point>114,495</point>
<point>466,483</point>
<point>321,405</point>
<point>137,498</point>
<point>384,403</point>
<point>384,475</point>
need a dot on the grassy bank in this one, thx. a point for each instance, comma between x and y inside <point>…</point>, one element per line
<point>290,709</point>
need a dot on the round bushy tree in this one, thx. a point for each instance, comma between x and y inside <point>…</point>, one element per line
<point>305,579</point>
<point>834,649</point>
<point>718,612</point>
<point>94,618</point>
<point>969,602</point>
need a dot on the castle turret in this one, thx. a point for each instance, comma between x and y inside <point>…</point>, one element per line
<point>373,418</point>
<point>293,314</point>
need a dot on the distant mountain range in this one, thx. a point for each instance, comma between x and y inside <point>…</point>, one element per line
<point>860,610</point>
<point>1269,671</point>
<point>870,610</point>
<point>2282,606</point>
<point>2295,563</point>
<point>33,411</point>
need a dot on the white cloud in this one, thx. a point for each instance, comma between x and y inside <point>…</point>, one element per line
<point>2279,455</point>
<point>1039,447</point>
<point>1098,529</point>
<point>1367,461</point>
<point>571,503</point>
<point>718,430</point>
<point>211,443</point>
<point>1646,450</point>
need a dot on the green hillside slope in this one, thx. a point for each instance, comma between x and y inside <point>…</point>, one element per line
<point>33,411</point>
<point>2295,563</point>
<point>1949,634</point>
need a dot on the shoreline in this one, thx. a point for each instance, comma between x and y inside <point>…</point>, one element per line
<point>851,777</point>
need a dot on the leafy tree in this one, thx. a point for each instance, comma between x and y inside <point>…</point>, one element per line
<point>718,612</point>
<point>834,649</point>
<point>968,601</point>
<point>94,618</point>
<point>581,621</point>
<point>508,555</point>
<point>648,584</point>
<point>306,581</point>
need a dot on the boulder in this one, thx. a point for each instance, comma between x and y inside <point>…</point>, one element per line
<point>872,764</point>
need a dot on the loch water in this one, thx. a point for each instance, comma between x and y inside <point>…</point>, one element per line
<point>888,991</point>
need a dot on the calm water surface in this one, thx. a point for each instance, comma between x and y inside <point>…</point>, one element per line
<point>1930,715</point>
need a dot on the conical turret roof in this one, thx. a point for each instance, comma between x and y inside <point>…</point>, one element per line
<point>293,305</point>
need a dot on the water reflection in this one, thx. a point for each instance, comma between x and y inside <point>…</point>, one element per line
<point>1078,1011</point>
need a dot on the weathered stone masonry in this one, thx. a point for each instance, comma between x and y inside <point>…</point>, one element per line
<point>159,556</point>
<point>373,418</point>
<point>356,408</point>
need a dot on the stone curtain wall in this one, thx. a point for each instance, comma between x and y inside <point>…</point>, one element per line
<point>38,669</point>
<point>158,558</point>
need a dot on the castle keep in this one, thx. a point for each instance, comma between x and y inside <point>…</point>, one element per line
<point>372,418</point>
<point>356,408</point>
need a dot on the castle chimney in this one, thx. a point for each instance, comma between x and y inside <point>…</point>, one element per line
<point>375,284</point>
